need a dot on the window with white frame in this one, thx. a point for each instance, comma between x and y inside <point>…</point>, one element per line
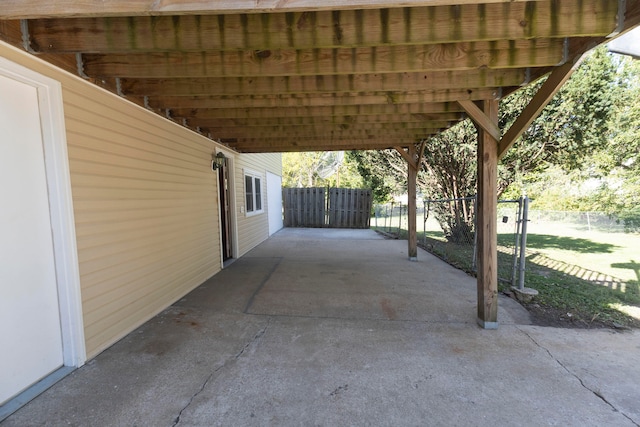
<point>253,192</point>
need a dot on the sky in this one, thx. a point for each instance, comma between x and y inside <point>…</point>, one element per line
<point>628,44</point>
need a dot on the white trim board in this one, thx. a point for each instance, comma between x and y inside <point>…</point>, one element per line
<point>60,205</point>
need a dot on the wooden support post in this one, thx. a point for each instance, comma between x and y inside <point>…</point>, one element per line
<point>486,224</point>
<point>412,172</point>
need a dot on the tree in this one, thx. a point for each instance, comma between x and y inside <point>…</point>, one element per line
<point>381,171</point>
<point>319,169</point>
<point>450,173</point>
<point>570,128</point>
<point>616,166</point>
<point>574,125</point>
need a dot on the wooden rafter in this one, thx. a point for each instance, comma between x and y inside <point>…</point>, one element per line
<point>304,75</point>
<point>259,146</point>
<point>304,134</point>
<point>74,8</point>
<point>324,29</point>
<point>288,101</point>
<point>280,131</point>
<point>368,121</point>
<point>310,73</point>
<point>324,112</point>
<point>323,84</point>
<point>385,59</point>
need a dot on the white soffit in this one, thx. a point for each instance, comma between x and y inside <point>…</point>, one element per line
<point>627,44</point>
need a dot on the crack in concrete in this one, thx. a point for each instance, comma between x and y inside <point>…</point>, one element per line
<point>580,380</point>
<point>226,363</point>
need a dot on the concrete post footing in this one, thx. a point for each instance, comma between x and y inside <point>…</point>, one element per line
<point>487,325</point>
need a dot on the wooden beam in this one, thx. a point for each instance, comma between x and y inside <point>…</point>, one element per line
<point>368,121</point>
<point>325,29</point>
<point>319,129</point>
<point>632,15</point>
<point>29,9</point>
<point>421,154</point>
<point>320,84</point>
<point>259,145</point>
<point>481,119</point>
<point>405,155</point>
<point>284,101</point>
<point>298,135</point>
<point>546,92</point>
<point>368,60</point>
<point>300,149</point>
<point>486,223</point>
<point>324,112</point>
<point>11,32</point>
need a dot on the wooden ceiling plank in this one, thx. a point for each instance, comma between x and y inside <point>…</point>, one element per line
<point>342,135</point>
<point>388,59</point>
<point>257,145</point>
<point>328,112</point>
<point>30,9</point>
<point>325,29</point>
<point>214,126</point>
<point>303,131</point>
<point>318,84</point>
<point>301,148</point>
<point>213,102</point>
<point>373,121</point>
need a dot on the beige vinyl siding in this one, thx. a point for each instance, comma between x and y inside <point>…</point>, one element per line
<point>254,229</point>
<point>145,206</point>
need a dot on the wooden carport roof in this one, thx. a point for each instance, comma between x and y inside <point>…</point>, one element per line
<point>292,75</point>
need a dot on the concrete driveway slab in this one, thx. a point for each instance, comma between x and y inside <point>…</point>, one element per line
<point>333,327</point>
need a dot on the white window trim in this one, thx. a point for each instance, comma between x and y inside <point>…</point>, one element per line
<point>253,175</point>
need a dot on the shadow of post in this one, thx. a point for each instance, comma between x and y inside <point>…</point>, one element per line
<point>575,244</point>
<point>590,276</point>
<point>633,287</point>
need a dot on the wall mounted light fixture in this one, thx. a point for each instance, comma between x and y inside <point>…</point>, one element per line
<point>217,161</point>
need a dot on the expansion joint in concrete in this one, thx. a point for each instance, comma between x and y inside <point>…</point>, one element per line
<point>227,362</point>
<point>262,283</point>
<point>580,380</point>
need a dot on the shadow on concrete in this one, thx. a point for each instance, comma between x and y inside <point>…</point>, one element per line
<point>330,327</point>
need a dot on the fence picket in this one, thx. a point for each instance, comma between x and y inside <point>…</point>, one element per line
<point>337,208</point>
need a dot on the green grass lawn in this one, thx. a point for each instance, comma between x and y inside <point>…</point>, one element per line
<point>615,254</point>
<point>586,278</point>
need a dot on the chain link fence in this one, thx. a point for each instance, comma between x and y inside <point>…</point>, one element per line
<point>456,244</point>
<point>578,221</point>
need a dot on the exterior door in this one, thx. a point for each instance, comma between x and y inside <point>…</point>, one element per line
<point>274,202</point>
<point>30,325</point>
<point>225,211</point>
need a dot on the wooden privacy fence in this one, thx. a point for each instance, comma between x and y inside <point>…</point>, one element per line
<point>319,207</point>
<point>304,207</point>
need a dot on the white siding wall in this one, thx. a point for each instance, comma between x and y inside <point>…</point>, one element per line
<point>254,229</point>
<point>145,205</point>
